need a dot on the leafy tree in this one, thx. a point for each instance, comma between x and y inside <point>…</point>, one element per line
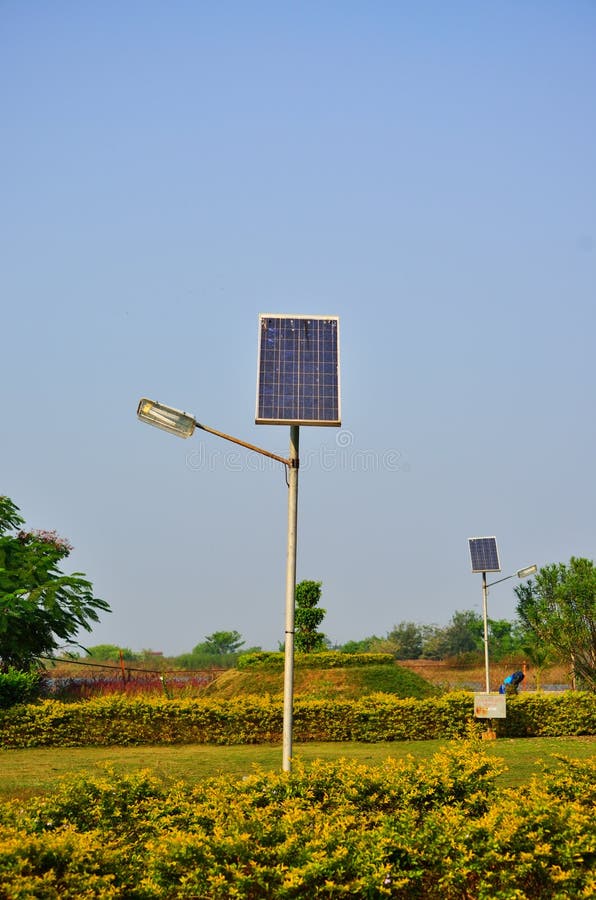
<point>308,617</point>
<point>504,638</point>
<point>363,646</point>
<point>406,640</point>
<point>539,654</point>
<point>559,609</point>
<point>463,634</point>
<point>111,653</point>
<point>431,641</point>
<point>220,643</point>
<point>40,608</point>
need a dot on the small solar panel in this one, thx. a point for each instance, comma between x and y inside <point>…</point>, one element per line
<point>484,554</point>
<point>298,370</point>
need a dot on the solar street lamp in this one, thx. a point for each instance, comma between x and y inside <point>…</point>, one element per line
<point>485,558</point>
<point>297,384</point>
<point>521,573</point>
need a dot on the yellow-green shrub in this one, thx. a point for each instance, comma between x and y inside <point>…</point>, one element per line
<point>439,829</point>
<point>251,720</point>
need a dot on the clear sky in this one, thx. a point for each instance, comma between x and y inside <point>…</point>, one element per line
<point>425,171</point>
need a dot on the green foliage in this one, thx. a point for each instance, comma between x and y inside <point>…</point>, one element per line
<point>111,653</point>
<point>117,719</point>
<point>540,655</point>
<point>220,643</point>
<point>330,659</point>
<point>201,661</point>
<point>504,639</point>
<point>322,683</point>
<point>411,831</point>
<point>407,640</point>
<point>18,687</point>
<point>463,634</point>
<point>393,680</point>
<point>462,637</point>
<point>40,607</point>
<point>559,609</point>
<point>308,617</point>
<point>363,646</point>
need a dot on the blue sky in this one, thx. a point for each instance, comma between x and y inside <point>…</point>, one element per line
<point>425,171</point>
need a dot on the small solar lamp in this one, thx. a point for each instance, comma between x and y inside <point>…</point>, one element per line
<point>529,570</point>
<point>166,417</point>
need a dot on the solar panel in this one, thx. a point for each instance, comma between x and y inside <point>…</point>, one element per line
<point>484,554</point>
<point>298,370</point>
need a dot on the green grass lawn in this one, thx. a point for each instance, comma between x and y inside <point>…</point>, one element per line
<point>34,771</point>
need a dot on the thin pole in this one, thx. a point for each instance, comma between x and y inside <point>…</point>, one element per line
<point>290,599</point>
<point>485,615</point>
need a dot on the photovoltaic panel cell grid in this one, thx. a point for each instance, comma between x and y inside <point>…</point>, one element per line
<point>484,554</point>
<point>298,374</point>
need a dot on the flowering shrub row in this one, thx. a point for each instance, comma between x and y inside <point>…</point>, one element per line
<point>252,720</point>
<point>400,830</point>
<point>83,687</point>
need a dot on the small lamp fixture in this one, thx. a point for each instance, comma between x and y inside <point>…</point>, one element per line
<point>166,417</point>
<point>529,570</point>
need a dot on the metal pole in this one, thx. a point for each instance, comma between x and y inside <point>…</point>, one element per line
<point>290,598</point>
<point>485,615</point>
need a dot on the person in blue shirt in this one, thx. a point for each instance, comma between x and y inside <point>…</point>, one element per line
<point>511,683</point>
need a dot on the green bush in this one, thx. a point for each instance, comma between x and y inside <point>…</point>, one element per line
<point>549,715</point>
<point>323,660</point>
<point>440,829</point>
<point>18,687</point>
<point>117,719</point>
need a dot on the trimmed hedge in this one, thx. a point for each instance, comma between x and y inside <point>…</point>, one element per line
<point>113,720</point>
<point>438,830</point>
<point>324,660</point>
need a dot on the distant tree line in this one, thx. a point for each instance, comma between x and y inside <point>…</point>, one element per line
<point>462,636</point>
<point>42,611</point>
<point>556,623</point>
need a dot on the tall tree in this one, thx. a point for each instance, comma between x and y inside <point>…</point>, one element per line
<point>463,634</point>
<point>308,617</point>
<point>220,643</point>
<point>559,608</point>
<point>41,608</point>
<point>111,653</point>
<point>405,640</point>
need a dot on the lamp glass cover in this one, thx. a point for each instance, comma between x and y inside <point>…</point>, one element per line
<point>166,417</point>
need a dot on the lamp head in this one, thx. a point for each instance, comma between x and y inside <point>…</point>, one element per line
<point>166,417</point>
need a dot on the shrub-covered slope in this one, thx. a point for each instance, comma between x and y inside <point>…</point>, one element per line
<point>348,683</point>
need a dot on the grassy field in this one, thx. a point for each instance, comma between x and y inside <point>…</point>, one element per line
<point>35,771</point>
